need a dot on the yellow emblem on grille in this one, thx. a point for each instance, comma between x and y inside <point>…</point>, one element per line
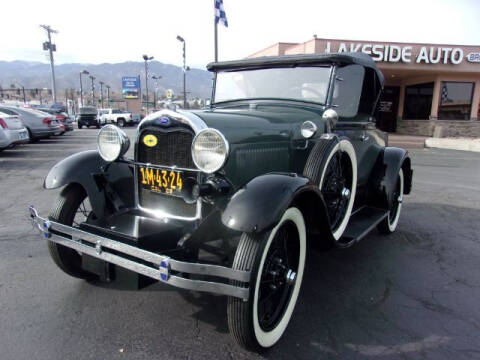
<point>150,140</point>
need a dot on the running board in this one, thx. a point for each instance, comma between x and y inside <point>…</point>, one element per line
<point>360,224</point>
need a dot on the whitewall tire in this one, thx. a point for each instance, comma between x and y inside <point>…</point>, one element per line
<point>389,224</point>
<point>275,275</point>
<point>338,188</point>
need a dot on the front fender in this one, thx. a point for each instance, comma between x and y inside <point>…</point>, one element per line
<point>87,169</point>
<point>260,204</point>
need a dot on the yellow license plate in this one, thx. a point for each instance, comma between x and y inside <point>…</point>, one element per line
<point>161,181</point>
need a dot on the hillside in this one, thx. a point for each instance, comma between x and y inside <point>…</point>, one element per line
<point>37,75</point>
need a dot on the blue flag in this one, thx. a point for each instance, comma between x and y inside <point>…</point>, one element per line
<point>220,15</point>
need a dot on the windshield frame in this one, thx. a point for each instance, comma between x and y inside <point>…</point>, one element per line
<point>331,75</point>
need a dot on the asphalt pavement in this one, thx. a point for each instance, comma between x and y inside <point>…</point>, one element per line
<point>412,295</point>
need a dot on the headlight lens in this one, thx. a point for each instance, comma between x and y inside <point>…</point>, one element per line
<point>112,143</point>
<point>209,150</point>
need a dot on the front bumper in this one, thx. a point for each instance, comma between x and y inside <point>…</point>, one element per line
<point>153,265</point>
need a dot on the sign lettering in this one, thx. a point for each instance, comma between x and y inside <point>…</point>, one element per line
<point>404,54</point>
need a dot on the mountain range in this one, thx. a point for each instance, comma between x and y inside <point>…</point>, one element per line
<point>37,75</point>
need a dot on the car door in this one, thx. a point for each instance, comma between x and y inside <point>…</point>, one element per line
<point>355,94</point>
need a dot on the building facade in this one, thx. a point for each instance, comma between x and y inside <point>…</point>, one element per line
<point>430,89</point>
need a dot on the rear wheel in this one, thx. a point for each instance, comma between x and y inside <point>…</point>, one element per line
<point>80,125</point>
<point>72,208</point>
<point>121,122</point>
<point>389,224</point>
<point>276,260</point>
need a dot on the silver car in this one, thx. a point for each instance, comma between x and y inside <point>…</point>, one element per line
<point>12,131</point>
<point>39,124</point>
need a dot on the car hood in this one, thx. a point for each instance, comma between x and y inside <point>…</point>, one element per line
<point>264,123</point>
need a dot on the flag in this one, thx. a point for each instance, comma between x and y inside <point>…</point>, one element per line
<point>445,94</point>
<point>220,15</point>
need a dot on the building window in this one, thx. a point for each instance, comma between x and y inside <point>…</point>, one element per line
<point>418,101</point>
<point>455,100</point>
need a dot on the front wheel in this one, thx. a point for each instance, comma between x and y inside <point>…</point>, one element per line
<point>276,260</point>
<point>72,208</point>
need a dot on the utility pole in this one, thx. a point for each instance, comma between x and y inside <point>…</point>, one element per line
<point>101,92</point>
<point>93,90</point>
<point>84,72</point>
<point>24,98</point>
<point>108,94</point>
<point>51,48</point>
<point>146,58</point>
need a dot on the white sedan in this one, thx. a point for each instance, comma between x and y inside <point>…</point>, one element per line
<point>12,131</point>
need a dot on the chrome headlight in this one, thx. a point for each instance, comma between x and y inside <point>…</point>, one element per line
<point>209,150</point>
<point>112,143</point>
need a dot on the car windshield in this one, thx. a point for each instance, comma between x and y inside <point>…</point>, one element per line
<point>88,110</point>
<point>292,83</point>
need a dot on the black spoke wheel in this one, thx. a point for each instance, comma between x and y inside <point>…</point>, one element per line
<point>336,187</point>
<point>332,164</point>
<point>72,208</point>
<point>389,224</point>
<point>276,260</point>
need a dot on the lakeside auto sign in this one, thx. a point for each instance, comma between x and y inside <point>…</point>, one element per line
<point>396,53</point>
<point>131,87</point>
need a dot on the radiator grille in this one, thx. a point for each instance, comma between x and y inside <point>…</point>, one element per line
<point>173,148</point>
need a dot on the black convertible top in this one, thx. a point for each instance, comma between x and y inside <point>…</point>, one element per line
<point>344,58</point>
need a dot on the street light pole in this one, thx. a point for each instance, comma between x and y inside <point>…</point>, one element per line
<point>108,95</point>
<point>146,58</point>
<point>93,90</point>
<point>84,72</point>
<point>155,92</point>
<point>51,48</point>
<point>101,92</point>
<point>182,40</point>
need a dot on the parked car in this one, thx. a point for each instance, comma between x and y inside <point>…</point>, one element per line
<point>230,199</point>
<point>39,124</point>
<point>61,116</point>
<point>87,116</point>
<point>12,131</point>
<point>117,117</point>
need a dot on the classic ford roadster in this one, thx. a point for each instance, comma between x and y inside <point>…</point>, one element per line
<point>230,199</point>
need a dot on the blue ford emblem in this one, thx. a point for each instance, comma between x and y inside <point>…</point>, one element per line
<point>164,120</point>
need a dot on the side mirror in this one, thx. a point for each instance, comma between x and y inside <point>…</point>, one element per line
<point>331,118</point>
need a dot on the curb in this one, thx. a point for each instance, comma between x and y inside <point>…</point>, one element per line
<point>453,144</point>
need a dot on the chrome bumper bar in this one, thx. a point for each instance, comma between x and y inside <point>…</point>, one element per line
<point>161,266</point>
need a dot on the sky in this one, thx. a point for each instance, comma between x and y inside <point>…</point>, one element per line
<point>103,31</point>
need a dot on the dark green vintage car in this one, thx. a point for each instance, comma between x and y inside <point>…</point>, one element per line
<point>229,199</point>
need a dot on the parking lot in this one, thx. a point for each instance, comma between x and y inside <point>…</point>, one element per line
<point>412,295</point>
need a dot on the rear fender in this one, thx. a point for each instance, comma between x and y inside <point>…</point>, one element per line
<point>89,170</point>
<point>260,204</point>
<point>384,176</point>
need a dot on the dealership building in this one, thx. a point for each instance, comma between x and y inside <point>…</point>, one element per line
<point>430,89</point>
